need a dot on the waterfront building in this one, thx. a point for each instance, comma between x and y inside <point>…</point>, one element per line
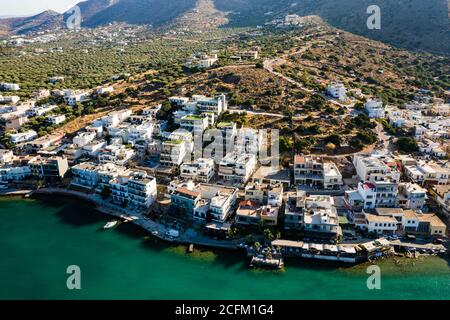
<point>383,221</point>
<point>216,202</point>
<point>320,218</point>
<point>15,173</point>
<point>204,202</point>
<point>252,213</point>
<point>264,194</point>
<point>85,175</point>
<point>134,189</point>
<point>53,168</point>
<point>294,210</point>
<point>185,200</point>
<point>142,190</point>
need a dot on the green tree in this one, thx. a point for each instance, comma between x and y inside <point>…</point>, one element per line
<point>407,144</point>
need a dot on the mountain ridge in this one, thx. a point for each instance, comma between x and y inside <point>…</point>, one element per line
<point>412,24</point>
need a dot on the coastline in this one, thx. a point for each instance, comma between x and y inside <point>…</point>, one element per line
<point>156,229</point>
<point>186,237</point>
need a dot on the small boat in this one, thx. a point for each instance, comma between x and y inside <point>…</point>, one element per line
<point>111,224</point>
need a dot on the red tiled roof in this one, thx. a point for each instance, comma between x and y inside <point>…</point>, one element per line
<point>188,192</point>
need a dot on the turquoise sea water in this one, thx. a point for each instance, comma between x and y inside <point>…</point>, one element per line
<point>40,239</point>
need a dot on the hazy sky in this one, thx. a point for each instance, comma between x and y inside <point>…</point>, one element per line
<point>30,7</point>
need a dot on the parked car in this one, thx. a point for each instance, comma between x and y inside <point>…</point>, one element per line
<point>438,241</point>
<point>410,237</point>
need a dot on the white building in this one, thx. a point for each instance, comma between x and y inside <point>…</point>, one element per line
<point>9,86</point>
<point>37,111</point>
<point>85,175</point>
<point>430,173</point>
<point>202,170</point>
<point>115,118</point>
<point>216,201</point>
<point>6,156</point>
<point>381,224</point>
<point>56,119</point>
<point>374,108</point>
<point>93,148</point>
<point>373,168</point>
<point>203,202</point>
<point>202,61</point>
<point>83,138</point>
<point>104,90</point>
<point>141,132</point>
<point>142,190</point>
<point>337,90</point>
<point>194,123</point>
<point>9,99</point>
<point>23,136</point>
<point>411,196</point>
<point>10,173</point>
<point>313,171</point>
<point>265,194</point>
<point>117,154</point>
<point>173,152</point>
<point>320,218</point>
<point>71,97</point>
<point>236,167</point>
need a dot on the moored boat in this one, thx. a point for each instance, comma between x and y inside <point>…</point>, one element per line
<point>111,224</point>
